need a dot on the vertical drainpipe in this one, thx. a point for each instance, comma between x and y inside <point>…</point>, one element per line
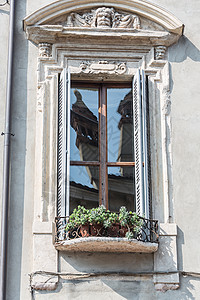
<point>6,160</point>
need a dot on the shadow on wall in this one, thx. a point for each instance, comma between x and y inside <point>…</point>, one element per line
<point>182,50</point>
<point>105,262</point>
<point>119,286</point>
<point>180,243</point>
<point>132,288</point>
<point>116,286</point>
<point>166,257</point>
<point>185,292</point>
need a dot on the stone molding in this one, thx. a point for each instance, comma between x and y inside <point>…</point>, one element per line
<point>58,34</point>
<point>144,8</point>
<point>103,67</point>
<point>92,20</point>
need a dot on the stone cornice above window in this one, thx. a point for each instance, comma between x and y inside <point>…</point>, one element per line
<point>138,21</point>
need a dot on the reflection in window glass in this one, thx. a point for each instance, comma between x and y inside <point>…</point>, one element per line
<point>84,186</point>
<point>121,188</point>
<point>84,125</point>
<point>120,125</point>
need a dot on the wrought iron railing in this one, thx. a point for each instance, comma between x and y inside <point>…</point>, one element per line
<point>147,232</point>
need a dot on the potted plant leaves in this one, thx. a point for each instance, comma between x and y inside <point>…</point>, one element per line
<point>130,223</point>
<point>134,225</point>
<point>78,223</point>
<point>97,217</point>
<point>101,222</point>
<point>112,224</point>
<point>124,221</point>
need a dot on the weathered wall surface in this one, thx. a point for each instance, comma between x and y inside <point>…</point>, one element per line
<point>184,58</point>
<point>185,64</point>
<point>184,61</point>
<point>119,288</point>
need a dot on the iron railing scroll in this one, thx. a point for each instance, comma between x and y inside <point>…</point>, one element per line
<point>147,232</point>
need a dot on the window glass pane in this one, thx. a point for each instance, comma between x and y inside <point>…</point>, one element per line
<point>84,125</point>
<point>121,188</point>
<point>120,125</point>
<point>84,186</point>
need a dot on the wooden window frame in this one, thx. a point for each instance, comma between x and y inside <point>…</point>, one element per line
<point>103,163</point>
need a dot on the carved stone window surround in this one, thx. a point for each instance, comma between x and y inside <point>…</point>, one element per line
<point>67,51</point>
<point>48,70</point>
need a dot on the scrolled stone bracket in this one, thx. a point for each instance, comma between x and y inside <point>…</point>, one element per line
<point>160,52</point>
<point>45,50</point>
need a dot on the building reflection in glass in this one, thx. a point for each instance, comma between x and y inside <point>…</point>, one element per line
<point>84,180</point>
<point>84,125</point>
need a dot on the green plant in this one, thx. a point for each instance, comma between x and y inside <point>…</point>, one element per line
<point>97,215</point>
<point>123,216</point>
<point>112,218</point>
<point>79,216</point>
<point>129,235</point>
<point>129,221</point>
<point>135,222</point>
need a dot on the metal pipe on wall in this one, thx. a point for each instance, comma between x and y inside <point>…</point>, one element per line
<point>6,159</point>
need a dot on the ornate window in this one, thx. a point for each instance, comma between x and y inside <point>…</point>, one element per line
<point>104,43</point>
<point>102,145</point>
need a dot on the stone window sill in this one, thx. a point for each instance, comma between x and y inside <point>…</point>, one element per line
<point>106,244</point>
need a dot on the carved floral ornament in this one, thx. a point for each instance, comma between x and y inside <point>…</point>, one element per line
<point>103,17</point>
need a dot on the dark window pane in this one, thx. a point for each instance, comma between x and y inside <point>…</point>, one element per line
<point>120,125</point>
<point>84,186</point>
<point>121,188</point>
<point>84,125</point>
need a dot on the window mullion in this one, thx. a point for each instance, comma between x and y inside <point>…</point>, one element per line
<point>103,148</point>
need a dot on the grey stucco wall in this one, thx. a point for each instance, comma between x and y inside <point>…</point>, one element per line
<point>184,58</point>
<point>184,61</point>
<point>111,288</point>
